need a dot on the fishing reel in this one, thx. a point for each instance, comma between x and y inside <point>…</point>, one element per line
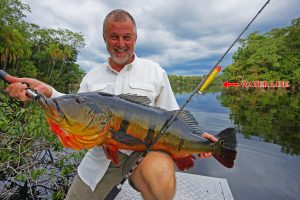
<point>32,93</point>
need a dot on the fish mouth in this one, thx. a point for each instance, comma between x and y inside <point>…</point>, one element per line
<point>52,109</point>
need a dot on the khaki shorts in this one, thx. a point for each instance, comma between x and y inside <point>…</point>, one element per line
<point>114,174</point>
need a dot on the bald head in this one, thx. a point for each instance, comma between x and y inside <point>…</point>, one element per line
<point>118,15</point>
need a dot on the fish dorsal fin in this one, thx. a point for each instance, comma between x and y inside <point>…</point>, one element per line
<point>143,100</point>
<point>190,120</point>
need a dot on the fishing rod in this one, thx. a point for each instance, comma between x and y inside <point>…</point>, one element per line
<point>198,90</point>
<point>206,81</point>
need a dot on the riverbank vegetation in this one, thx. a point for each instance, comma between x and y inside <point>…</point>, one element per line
<point>33,163</point>
<point>272,56</point>
<point>46,54</point>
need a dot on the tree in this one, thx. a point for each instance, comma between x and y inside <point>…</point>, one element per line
<point>272,56</point>
<point>13,47</point>
<point>12,12</point>
<point>54,54</point>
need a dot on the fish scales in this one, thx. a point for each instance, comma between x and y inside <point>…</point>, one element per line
<point>140,119</point>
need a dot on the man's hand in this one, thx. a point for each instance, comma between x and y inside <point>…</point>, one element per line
<point>17,89</point>
<point>210,137</point>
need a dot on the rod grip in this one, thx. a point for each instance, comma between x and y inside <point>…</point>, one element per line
<point>113,193</point>
<point>3,74</point>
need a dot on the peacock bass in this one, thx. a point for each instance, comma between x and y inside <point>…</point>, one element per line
<point>85,120</point>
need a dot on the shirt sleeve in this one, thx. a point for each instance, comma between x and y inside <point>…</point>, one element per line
<point>55,93</point>
<point>166,98</point>
<point>83,85</point>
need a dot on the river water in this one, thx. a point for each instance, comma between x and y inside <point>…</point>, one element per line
<point>262,170</point>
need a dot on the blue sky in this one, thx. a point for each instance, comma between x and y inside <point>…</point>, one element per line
<point>186,37</point>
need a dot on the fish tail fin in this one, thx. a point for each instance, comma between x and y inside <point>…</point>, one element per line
<point>225,151</point>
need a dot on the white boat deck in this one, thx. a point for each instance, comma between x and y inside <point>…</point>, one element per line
<point>188,187</point>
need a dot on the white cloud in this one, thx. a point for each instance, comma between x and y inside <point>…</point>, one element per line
<point>169,32</point>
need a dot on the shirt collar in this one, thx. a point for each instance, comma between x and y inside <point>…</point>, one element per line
<point>127,67</point>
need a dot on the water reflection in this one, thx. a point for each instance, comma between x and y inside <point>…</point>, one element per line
<point>272,115</point>
<point>267,164</point>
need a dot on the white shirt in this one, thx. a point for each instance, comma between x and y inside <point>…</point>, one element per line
<point>142,77</point>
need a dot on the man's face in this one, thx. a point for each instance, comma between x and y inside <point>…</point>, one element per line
<point>120,38</point>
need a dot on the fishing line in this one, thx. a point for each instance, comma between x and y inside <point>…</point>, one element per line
<point>196,97</point>
<point>198,90</point>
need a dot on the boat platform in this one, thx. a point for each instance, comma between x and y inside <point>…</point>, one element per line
<point>188,187</point>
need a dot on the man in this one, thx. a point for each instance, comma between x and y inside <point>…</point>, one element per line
<point>123,72</point>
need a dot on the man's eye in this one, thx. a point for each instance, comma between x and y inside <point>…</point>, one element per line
<point>127,38</point>
<point>114,37</point>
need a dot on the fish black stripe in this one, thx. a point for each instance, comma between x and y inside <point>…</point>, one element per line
<point>149,136</point>
<point>123,137</point>
<point>124,126</point>
<point>181,142</point>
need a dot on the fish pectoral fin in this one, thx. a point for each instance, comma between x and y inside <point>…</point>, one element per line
<point>111,154</point>
<point>125,138</point>
<point>183,163</point>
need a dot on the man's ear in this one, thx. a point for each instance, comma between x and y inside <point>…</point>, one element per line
<point>135,37</point>
<point>104,37</point>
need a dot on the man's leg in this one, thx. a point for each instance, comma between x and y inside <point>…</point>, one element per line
<point>114,174</point>
<point>155,177</point>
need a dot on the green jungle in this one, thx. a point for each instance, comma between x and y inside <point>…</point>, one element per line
<point>33,163</point>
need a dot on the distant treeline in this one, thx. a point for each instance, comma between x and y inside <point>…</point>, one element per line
<point>28,50</point>
<point>184,84</point>
<point>187,84</point>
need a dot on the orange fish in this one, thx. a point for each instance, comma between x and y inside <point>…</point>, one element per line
<point>85,120</point>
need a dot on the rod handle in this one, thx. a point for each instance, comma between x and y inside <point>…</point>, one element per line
<point>210,77</point>
<point>3,75</point>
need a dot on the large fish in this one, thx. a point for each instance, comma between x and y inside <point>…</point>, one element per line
<point>85,120</point>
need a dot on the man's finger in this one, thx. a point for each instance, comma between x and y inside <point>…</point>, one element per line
<point>23,96</point>
<point>209,136</point>
<point>13,79</point>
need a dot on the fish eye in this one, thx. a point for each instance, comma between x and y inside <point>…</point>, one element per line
<point>222,142</point>
<point>79,100</point>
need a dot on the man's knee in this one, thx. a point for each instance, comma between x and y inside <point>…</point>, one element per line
<point>156,175</point>
<point>158,164</point>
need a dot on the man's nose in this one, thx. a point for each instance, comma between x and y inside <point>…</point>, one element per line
<point>121,42</point>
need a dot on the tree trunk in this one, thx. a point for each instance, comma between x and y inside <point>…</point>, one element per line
<point>51,71</point>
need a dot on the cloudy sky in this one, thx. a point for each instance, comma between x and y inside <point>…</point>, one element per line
<point>186,37</point>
